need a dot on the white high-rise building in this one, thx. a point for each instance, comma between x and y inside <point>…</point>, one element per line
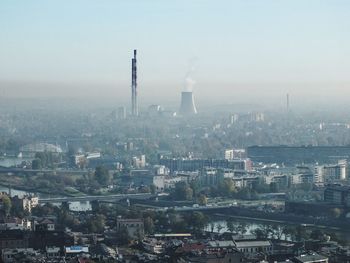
<point>331,173</point>
<point>229,154</point>
<point>139,162</point>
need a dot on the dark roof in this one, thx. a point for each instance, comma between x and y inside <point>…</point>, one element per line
<point>12,234</point>
<point>314,257</point>
<point>45,221</point>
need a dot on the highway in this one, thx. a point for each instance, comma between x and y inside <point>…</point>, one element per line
<point>111,198</point>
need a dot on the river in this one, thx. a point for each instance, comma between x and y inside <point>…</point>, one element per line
<point>13,161</point>
<point>252,225</point>
<point>220,226</point>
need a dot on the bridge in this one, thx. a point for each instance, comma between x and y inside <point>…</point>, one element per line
<point>223,208</point>
<point>33,171</point>
<point>109,198</point>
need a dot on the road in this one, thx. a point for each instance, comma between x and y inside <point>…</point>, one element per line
<point>111,198</point>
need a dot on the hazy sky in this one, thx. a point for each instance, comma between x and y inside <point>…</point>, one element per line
<point>243,49</point>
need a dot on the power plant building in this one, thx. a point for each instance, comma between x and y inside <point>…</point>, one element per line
<point>188,106</point>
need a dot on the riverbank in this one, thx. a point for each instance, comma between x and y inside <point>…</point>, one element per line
<point>286,218</point>
<point>252,224</point>
<point>31,190</point>
<point>40,183</point>
<point>265,221</point>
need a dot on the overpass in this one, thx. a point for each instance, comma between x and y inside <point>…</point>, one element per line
<point>109,198</point>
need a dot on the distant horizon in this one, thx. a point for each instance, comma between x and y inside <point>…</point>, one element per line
<point>229,51</point>
<point>242,93</point>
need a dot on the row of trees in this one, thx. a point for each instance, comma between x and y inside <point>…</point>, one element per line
<point>189,192</point>
<point>273,231</point>
<point>45,160</point>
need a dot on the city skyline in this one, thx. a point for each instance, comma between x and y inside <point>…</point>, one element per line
<point>174,131</point>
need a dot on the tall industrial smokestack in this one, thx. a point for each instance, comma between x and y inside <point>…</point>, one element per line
<point>134,106</point>
<point>187,103</point>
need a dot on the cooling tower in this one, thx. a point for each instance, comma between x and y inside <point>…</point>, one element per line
<point>187,103</point>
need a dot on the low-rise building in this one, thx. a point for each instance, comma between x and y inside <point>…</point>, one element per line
<point>251,247</point>
<point>13,239</point>
<point>215,257</point>
<point>10,255</point>
<point>153,245</point>
<point>221,244</point>
<point>134,227</point>
<point>337,194</point>
<point>44,224</point>
<point>73,251</point>
<point>25,203</point>
<point>53,252</point>
<point>12,223</point>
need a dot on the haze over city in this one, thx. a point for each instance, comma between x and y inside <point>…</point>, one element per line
<point>175,131</point>
<point>245,51</point>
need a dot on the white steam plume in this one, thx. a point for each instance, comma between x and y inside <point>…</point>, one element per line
<point>189,81</point>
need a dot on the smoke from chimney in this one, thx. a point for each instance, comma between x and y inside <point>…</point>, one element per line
<point>189,81</point>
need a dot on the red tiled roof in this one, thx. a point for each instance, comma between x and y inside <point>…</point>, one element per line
<point>191,247</point>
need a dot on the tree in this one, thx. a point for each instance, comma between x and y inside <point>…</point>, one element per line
<point>153,189</point>
<point>336,212</point>
<point>230,225</point>
<point>42,157</point>
<point>300,233</point>
<point>226,187</point>
<point>97,223</point>
<point>197,220</point>
<point>263,231</point>
<point>274,187</point>
<point>317,234</point>
<point>202,199</point>
<point>95,205</point>
<point>45,210</point>
<point>245,193</point>
<point>259,233</point>
<point>101,175</point>
<point>36,164</point>
<point>277,231</point>
<point>183,191</point>
<point>188,193</point>
<point>149,225</point>
<point>289,231</point>
<point>212,227</point>
<point>180,226</point>
<point>195,187</point>
<point>65,206</point>
<point>48,159</point>
<point>242,228</point>
<point>7,204</point>
<point>219,227</point>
